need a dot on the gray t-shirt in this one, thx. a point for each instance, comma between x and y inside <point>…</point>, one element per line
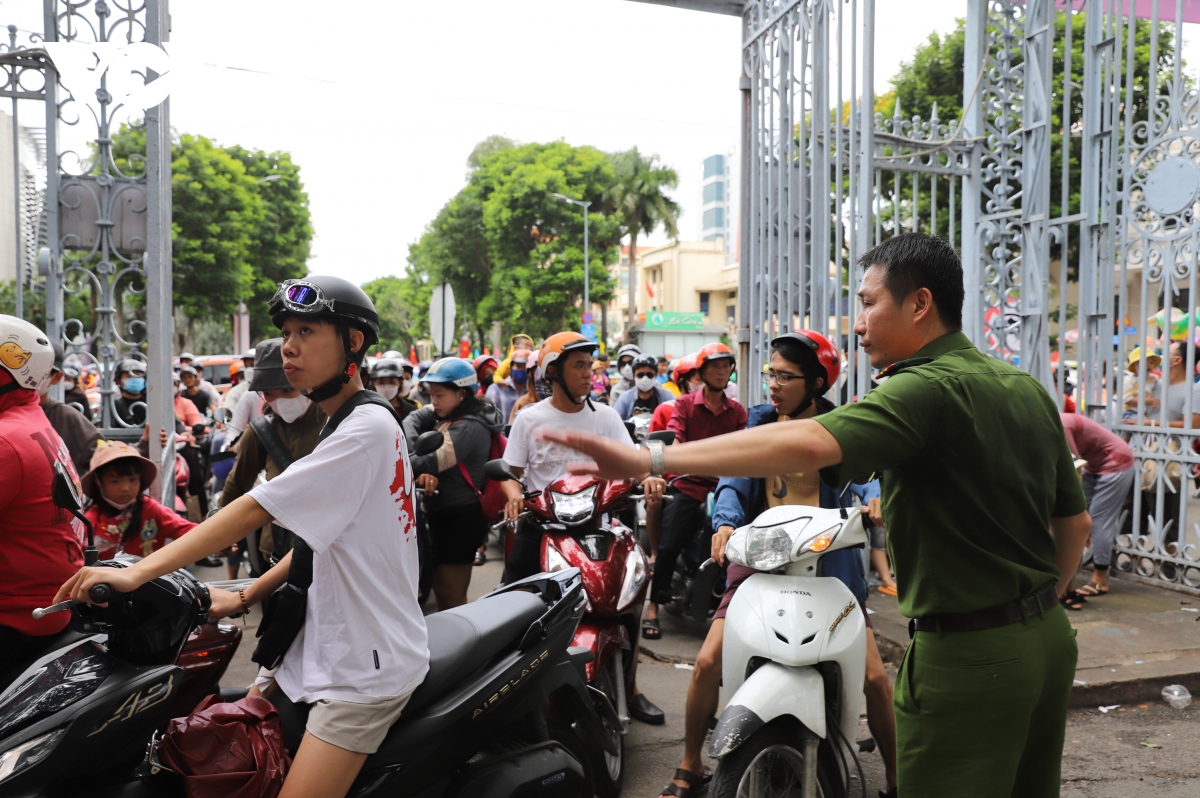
<point>1176,397</point>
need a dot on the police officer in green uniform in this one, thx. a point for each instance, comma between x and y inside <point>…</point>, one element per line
<point>986,524</point>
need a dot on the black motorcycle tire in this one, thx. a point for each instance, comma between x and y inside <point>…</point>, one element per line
<point>598,780</point>
<point>563,732</point>
<point>779,738</point>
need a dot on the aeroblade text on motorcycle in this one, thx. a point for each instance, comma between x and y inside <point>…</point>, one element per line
<point>794,658</point>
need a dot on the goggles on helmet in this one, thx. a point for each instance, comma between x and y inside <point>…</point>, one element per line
<point>301,296</point>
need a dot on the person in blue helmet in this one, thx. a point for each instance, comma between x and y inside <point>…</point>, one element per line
<point>457,524</point>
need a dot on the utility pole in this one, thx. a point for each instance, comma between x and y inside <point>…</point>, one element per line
<point>585,204</point>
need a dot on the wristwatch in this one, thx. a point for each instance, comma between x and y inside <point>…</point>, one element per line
<point>658,465</point>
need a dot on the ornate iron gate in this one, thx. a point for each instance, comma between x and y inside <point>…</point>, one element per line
<point>1070,184</point>
<point>107,219</point>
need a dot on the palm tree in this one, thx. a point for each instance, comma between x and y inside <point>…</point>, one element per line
<point>637,198</point>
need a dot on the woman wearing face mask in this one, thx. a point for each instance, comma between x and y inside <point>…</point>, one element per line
<point>625,357</point>
<point>647,394</point>
<point>130,402</point>
<point>293,419</point>
<point>504,392</point>
<point>393,382</point>
<point>455,517</point>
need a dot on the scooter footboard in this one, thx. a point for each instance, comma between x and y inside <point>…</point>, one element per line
<point>770,692</point>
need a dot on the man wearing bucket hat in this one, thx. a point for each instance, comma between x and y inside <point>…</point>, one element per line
<point>124,517</point>
<point>285,433</point>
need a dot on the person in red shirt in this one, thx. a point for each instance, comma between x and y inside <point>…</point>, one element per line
<point>703,414</point>
<point>40,544</point>
<point>1107,480</point>
<point>125,519</point>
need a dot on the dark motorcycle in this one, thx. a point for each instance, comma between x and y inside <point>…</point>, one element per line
<point>81,717</point>
<point>697,582</point>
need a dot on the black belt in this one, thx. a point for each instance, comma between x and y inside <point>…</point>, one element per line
<point>990,618</point>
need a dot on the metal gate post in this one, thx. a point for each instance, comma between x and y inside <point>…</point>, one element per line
<point>159,316</point>
<point>1035,192</point>
<point>974,49</point>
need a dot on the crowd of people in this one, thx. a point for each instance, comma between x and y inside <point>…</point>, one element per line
<point>308,410</point>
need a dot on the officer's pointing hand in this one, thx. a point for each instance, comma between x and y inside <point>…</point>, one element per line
<point>612,460</point>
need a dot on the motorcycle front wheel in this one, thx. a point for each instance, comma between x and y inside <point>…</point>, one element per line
<point>768,765</point>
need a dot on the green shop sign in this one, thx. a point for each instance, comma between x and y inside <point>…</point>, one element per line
<point>665,320</point>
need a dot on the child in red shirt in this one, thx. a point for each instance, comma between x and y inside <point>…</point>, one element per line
<point>124,517</point>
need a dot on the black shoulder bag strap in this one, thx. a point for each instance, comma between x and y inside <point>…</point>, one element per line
<point>271,442</point>
<point>284,610</point>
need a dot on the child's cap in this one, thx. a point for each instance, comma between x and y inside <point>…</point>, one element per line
<point>108,451</point>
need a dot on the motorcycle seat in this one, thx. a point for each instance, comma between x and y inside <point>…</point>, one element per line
<point>467,638</point>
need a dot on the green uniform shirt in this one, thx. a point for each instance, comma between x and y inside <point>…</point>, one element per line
<point>973,464</point>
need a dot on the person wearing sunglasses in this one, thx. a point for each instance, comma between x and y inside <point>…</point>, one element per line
<point>350,505</point>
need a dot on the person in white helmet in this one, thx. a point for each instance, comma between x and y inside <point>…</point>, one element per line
<point>625,357</point>
<point>40,545</point>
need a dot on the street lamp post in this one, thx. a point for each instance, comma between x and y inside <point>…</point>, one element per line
<point>585,204</point>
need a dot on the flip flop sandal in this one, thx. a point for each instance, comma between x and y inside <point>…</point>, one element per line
<point>1071,603</point>
<point>694,780</point>
<point>887,591</point>
<point>651,630</point>
<point>480,558</point>
<point>1092,589</point>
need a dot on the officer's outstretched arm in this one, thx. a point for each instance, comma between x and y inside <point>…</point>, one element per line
<point>1070,535</point>
<point>763,451</point>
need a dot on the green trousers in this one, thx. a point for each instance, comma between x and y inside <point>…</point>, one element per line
<point>983,714</point>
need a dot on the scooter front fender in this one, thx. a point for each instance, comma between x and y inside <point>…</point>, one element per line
<point>770,692</point>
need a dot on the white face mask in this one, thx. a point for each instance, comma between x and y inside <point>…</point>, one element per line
<point>695,387</point>
<point>626,371</point>
<point>388,391</point>
<point>248,374</point>
<point>116,506</point>
<point>291,409</point>
<point>406,386</point>
<point>645,383</point>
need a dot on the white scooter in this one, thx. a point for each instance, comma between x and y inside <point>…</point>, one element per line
<point>794,660</point>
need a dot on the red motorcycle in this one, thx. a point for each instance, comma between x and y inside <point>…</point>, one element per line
<point>581,529</point>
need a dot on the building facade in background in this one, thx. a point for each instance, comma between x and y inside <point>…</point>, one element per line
<point>32,184</point>
<point>716,203</point>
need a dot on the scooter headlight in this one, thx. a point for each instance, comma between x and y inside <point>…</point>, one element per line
<point>29,753</point>
<point>770,547</point>
<point>635,576</point>
<point>573,509</point>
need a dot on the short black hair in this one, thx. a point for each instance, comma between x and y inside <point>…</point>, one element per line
<point>916,260</point>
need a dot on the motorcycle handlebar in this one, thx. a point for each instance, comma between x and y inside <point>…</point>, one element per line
<point>101,593</point>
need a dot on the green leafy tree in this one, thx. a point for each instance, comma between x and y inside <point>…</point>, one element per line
<point>280,243</point>
<point>403,306</point>
<point>535,240</point>
<point>454,249</point>
<point>640,201</point>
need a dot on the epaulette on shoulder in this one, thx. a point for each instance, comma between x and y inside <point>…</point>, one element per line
<point>901,365</point>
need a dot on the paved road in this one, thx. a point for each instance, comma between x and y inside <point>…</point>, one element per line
<point>1103,758</point>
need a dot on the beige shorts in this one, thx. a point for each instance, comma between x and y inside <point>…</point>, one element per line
<point>354,727</point>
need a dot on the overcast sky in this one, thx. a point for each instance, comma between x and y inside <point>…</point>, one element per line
<point>381,103</point>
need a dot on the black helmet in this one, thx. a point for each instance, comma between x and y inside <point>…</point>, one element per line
<point>645,361</point>
<point>386,368</point>
<point>325,296</point>
<point>328,296</point>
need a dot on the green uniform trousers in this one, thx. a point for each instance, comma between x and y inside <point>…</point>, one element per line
<point>983,714</point>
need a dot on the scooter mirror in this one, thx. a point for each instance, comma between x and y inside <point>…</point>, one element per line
<point>62,490</point>
<point>498,471</point>
<point>665,435</point>
<point>631,429</point>
<point>429,442</point>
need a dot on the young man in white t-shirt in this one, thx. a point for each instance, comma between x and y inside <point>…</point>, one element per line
<point>363,648</point>
<point>566,361</point>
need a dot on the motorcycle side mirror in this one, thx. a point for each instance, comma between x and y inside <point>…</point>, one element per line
<point>198,429</point>
<point>65,496</point>
<point>429,442</point>
<point>631,429</point>
<point>498,471</point>
<point>62,490</point>
<point>665,435</point>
